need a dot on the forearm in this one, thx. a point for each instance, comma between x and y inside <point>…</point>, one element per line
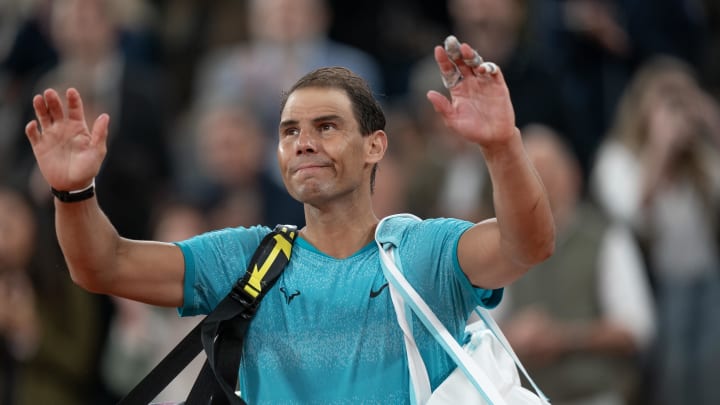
<point>102,261</point>
<point>89,242</point>
<point>521,205</point>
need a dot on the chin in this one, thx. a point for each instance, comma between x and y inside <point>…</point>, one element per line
<point>308,194</point>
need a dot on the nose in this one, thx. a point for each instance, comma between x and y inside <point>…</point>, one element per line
<point>305,142</point>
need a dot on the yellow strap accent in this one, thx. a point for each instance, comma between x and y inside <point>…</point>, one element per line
<point>254,286</point>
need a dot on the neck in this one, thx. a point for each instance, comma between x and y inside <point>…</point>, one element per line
<point>339,233</point>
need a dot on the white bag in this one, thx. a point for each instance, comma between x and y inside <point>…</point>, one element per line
<point>487,351</point>
<point>487,371</point>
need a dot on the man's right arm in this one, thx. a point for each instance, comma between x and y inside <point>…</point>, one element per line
<point>102,261</point>
<point>69,155</point>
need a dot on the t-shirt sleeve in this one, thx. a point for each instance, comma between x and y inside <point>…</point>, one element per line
<point>442,283</point>
<point>214,261</point>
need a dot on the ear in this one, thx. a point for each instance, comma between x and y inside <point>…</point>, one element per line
<point>376,145</point>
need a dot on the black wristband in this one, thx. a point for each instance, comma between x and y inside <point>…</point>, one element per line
<point>74,196</point>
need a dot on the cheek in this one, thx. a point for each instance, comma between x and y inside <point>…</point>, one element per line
<point>282,153</point>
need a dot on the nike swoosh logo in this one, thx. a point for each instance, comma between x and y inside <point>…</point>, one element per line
<point>374,294</point>
<point>289,297</point>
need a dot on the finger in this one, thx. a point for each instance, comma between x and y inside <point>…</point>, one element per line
<point>32,132</point>
<point>41,111</point>
<point>54,105</point>
<point>452,48</point>
<point>488,67</point>
<point>450,74</point>
<point>474,61</point>
<point>443,60</point>
<point>439,102</point>
<point>75,105</point>
<point>469,59</point>
<point>100,129</point>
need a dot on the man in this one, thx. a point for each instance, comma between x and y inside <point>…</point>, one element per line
<point>326,331</point>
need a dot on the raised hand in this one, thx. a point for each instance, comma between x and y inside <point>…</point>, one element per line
<point>68,154</point>
<point>479,108</point>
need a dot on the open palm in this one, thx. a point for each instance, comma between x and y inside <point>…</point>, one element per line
<point>479,109</point>
<point>68,154</point>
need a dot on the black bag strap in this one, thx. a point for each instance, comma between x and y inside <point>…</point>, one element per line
<point>221,333</point>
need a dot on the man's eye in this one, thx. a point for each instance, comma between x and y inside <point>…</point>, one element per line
<point>291,132</point>
<point>326,126</point>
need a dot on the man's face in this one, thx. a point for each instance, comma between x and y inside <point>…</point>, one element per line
<point>322,154</point>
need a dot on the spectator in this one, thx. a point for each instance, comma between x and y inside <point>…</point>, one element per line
<point>581,321</point>
<point>598,44</point>
<point>19,321</point>
<point>286,39</point>
<point>222,170</point>
<point>659,171</point>
<point>25,52</point>
<point>86,34</point>
<point>52,329</point>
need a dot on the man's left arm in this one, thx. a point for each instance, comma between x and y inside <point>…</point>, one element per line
<point>495,252</point>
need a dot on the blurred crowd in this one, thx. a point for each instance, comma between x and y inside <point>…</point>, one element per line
<point>617,101</point>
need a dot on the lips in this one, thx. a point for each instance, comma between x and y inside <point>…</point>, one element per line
<point>309,166</point>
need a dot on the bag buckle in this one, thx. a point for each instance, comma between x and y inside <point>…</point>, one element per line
<point>245,299</point>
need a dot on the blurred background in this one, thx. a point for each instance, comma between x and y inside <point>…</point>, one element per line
<point>617,101</point>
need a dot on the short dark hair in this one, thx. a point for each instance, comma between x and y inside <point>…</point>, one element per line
<point>366,108</point>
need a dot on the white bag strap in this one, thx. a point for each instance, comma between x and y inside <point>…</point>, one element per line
<point>474,373</point>
<point>400,286</point>
<point>419,381</point>
<point>486,316</point>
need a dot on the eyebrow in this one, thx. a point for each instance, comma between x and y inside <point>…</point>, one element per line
<point>330,117</point>
<point>288,123</point>
<point>322,118</point>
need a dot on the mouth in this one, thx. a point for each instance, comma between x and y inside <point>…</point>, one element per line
<point>309,167</point>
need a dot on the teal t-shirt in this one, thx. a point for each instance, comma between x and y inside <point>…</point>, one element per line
<point>327,331</point>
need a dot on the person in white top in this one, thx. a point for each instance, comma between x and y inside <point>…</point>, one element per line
<point>659,172</point>
<point>583,317</point>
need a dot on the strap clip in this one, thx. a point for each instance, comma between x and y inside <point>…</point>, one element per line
<point>248,302</point>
